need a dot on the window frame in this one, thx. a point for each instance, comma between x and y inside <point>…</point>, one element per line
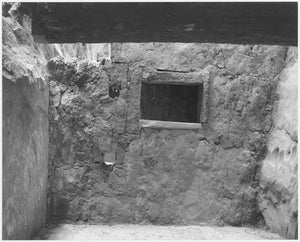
<point>178,78</point>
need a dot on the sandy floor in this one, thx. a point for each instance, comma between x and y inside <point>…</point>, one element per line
<point>132,232</point>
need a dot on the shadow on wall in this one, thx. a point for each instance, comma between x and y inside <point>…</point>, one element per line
<point>25,131</point>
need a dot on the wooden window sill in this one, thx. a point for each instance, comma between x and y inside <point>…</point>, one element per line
<point>145,123</point>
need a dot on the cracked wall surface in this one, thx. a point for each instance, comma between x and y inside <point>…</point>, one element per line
<point>25,130</point>
<point>105,168</point>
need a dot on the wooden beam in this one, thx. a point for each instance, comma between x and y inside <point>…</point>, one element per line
<point>156,124</point>
<point>273,23</point>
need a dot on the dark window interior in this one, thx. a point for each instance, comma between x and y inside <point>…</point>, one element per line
<point>171,102</point>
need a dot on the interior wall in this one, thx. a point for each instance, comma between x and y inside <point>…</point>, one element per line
<point>25,132</point>
<point>105,168</point>
<point>278,198</point>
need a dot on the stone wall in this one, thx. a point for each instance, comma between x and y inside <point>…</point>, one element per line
<point>279,176</point>
<point>25,131</point>
<point>105,168</point>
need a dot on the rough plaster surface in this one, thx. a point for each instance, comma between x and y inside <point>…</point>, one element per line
<point>159,176</point>
<point>150,232</point>
<point>25,133</point>
<point>92,52</point>
<point>279,177</point>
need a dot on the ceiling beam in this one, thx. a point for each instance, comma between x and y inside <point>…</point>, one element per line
<point>272,23</point>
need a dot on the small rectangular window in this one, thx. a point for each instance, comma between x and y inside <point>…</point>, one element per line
<point>176,102</point>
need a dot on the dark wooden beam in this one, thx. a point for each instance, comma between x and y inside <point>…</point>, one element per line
<point>273,23</point>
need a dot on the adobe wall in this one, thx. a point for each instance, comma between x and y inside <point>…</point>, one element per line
<point>161,176</point>
<point>25,132</point>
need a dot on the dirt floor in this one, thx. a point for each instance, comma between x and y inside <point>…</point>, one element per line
<point>135,232</point>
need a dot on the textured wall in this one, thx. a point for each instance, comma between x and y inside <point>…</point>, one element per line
<point>25,133</point>
<point>279,176</point>
<point>161,176</point>
<point>92,52</point>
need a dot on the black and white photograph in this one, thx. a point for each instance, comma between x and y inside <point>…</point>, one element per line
<point>149,120</point>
